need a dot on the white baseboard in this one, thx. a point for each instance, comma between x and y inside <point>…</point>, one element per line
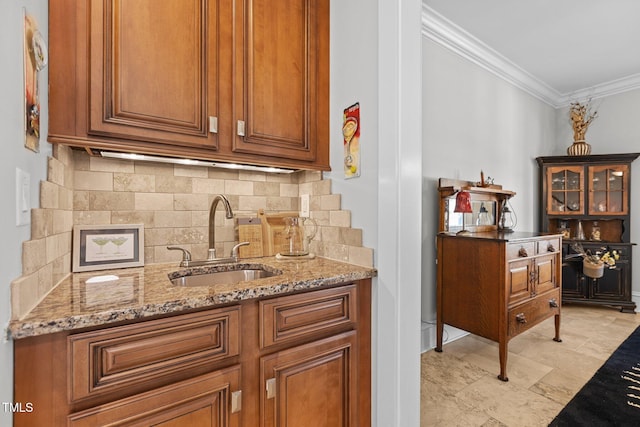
<point>635,297</point>
<point>428,335</point>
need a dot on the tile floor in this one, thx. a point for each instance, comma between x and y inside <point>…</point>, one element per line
<point>459,387</point>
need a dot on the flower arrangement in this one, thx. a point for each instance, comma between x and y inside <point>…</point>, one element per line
<point>593,263</point>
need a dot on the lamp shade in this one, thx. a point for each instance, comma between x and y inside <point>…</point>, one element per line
<point>463,202</point>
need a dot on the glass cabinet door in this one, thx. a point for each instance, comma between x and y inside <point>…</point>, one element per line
<point>608,190</point>
<point>565,194</point>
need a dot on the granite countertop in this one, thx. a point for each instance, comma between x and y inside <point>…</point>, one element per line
<point>141,292</point>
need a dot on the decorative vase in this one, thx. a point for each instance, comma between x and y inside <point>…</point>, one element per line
<point>579,148</point>
<point>592,270</point>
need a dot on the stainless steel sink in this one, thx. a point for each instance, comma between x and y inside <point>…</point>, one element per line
<point>223,277</point>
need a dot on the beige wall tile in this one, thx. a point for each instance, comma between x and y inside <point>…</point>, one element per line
<point>208,186</point>
<point>192,171</point>
<point>361,256</point>
<point>251,203</point>
<point>191,202</point>
<point>91,217</point>
<point>173,184</point>
<point>45,280</point>
<point>63,153</point>
<point>106,200</point>
<point>241,188</point>
<point>288,190</point>
<point>336,251</point>
<point>152,201</point>
<point>65,198</point>
<point>102,164</point>
<point>62,221</point>
<point>282,204</point>
<point>321,217</point>
<point>163,219</point>
<point>283,178</point>
<point>49,197</point>
<point>80,200</point>
<point>175,236</point>
<point>41,223</point>
<point>266,189</point>
<point>151,168</point>
<point>134,182</point>
<point>133,217</point>
<point>61,267</point>
<point>57,245</point>
<point>330,202</point>
<point>81,160</point>
<point>55,171</point>
<point>93,181</point>
<point>225,174</point>
<point>251,176</point>
<point>340,218</point>
<point>200,218</point>
<point>24,295</point>
<point>34,255</point>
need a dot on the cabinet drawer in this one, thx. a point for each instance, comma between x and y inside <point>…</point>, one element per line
<point>520,250</point>
<point>532,312</point>
<point>297,316</point>
<point>151,352</point>
<point>549,245</point>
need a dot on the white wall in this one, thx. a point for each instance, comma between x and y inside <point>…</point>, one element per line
<point>473,121</point>
<point>616,130</point>
<point>15,155</point>
<point>375,59</point>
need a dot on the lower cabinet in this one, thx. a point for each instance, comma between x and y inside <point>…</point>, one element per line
<point>298,359</point>
<point>613,288</point>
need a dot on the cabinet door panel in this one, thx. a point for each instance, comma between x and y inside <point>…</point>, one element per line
<point>315,384</point>
<point>150,70</point>
<point>612,285</point>
<point>519,284</point>
<point>279,89</point>
<point>201,401</point>
<point>546,274</point>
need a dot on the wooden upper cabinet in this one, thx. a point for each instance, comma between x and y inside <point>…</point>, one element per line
<point>153,70</point>
<point>565,194</point>
<point>281,87</point>
<point>608,190</point>
<point>243,81</point>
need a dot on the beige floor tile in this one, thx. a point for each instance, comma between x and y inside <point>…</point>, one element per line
<point>460,386</point>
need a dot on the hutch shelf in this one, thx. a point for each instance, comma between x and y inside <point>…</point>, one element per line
<point>587,199</point>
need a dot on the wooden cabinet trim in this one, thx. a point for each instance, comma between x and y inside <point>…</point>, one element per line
<point>297,316</point>
<point>107,360</point>
<point>204,399</point>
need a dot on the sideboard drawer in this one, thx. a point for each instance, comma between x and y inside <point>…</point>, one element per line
<point>550,245</point>
<point>125,356</point>
<point>310,314</point>
<point>520,250</point>
<point>530,313</point>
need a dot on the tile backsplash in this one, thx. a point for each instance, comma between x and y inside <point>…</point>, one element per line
<point>173,203</point>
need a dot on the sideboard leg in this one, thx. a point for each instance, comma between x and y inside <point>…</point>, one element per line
<point>502,345</point>
<point>557,337</point>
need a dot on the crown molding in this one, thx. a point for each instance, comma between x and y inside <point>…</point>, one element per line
<point>447,34</point>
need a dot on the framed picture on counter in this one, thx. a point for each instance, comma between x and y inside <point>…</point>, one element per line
<point>101,247</point>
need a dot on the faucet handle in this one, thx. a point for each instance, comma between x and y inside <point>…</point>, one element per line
<point>186,255</point>
<point>234,250</point>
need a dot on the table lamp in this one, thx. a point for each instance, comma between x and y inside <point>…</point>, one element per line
<point>463,206</point>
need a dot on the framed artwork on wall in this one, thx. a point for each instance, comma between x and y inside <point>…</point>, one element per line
<point>101,247</point>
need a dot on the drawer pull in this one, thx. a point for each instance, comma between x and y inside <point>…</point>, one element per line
<point>271,388</point>
<point>551,248</point>
<point>520,317</point>
<point>553,303</point>
<point>523,253</point>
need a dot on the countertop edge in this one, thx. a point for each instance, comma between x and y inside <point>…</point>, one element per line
<point>19,329</point>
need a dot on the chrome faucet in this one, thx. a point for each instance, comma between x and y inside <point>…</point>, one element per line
<point>212,222</point>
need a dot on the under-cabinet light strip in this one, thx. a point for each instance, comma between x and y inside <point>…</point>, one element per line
<point>191,162</point>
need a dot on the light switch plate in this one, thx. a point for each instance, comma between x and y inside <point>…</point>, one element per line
<point>23,197</point>
<point>304,205</point>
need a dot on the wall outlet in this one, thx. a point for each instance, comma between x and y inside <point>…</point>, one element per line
<point>23,197</point>
<point>304,205</point>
